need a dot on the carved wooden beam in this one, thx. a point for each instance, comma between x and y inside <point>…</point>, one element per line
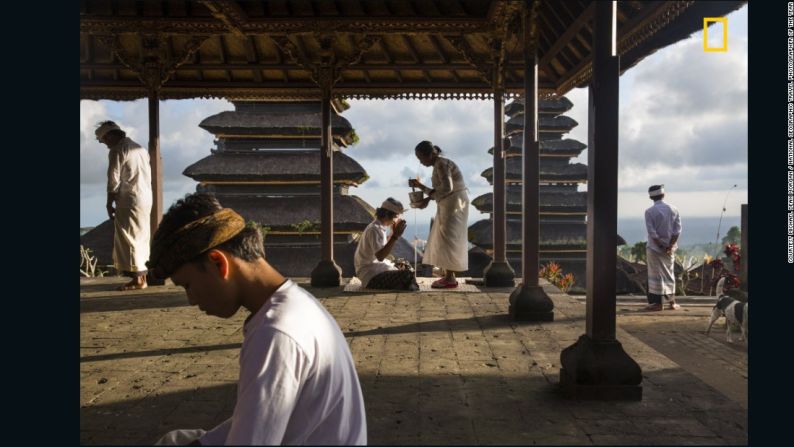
<point>193,44</point>
<point>361,46</point>
<point>288,25</point>
<point>288,47</point>
<point>112,42</point>
<point>156,63</point>
<point>479,63</point>
<point>508,13</point>
<point>228,12</point>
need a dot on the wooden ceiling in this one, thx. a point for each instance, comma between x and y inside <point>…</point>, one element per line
<point>271,49</point>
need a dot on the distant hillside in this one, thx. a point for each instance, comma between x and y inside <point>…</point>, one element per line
<point>84,230</point>
<point>695,230</point>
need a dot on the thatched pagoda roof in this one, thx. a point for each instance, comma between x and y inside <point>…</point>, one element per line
<point>294,166</point>
<point>100,241</point>
<point>553,236</point>
<point>546,123</point>
<point>548,148</point>
<point>395,48</point>
<point>351,213</point>
<point>275,120</point>
<point>549,202</point>
<point>574,172</point>
<point>550,106</point>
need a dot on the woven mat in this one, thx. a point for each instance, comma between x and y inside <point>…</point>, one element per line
<point>354,285</point>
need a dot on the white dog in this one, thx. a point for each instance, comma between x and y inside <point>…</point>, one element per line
<point>734,311</point>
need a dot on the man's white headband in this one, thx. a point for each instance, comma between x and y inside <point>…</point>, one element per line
<point>657,192</point>
<point>102,130</point>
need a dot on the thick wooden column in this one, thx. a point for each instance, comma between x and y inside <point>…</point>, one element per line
<point>499,273</point>
<point>327,273</point>
<point>596,366</point>
<point>529,302</point>
<point>156,165</point>
<point>155,160</point>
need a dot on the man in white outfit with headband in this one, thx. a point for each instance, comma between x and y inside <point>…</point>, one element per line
<point>663,224</point>
<point>129,188</point>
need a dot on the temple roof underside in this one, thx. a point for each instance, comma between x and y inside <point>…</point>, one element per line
<point>375,49</point>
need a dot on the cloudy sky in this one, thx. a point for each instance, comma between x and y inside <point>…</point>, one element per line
<point>683,123</point>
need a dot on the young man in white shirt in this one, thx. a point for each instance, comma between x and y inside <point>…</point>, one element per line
<point>372,267</point>
<point>298,382</point>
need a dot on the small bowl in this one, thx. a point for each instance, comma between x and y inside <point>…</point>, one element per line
<point>416,198</point>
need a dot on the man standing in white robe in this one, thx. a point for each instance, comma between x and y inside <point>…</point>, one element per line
<point>663,224</point>
<point>129,188</point>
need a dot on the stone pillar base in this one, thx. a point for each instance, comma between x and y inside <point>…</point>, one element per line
<point>531,303</point>
<point>599,370</point>
<point>326,274</point>
<point>499,274</point>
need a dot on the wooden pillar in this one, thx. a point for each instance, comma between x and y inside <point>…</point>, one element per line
<point>327,181</point>
<point>327,273</point>
<point>155,160</point>
<point>745,263</point>
<point>499,203</point>
<point>529,302</point>
<point>156,164</point>
<point>596,366</point>
<point>499,273</point>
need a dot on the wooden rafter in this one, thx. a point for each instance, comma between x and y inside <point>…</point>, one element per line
<point>444,58</point>
<point>566,36</point>
<point>479,63</point>
<point>252,56</point>
<point>415,55</point>
<point>228,12</point>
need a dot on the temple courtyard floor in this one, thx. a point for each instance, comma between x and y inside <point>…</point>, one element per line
<point>435,368</point>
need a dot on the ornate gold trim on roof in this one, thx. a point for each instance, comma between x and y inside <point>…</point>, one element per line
<point>132,93</point>
<point>289,25</point>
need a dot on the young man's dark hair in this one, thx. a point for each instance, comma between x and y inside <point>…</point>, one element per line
<point>248,245</point>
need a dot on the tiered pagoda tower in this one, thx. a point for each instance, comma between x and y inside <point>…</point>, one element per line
<point>562,209</point>
<point>266,166</point>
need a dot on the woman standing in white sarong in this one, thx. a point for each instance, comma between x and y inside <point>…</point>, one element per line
<point>448,244</point>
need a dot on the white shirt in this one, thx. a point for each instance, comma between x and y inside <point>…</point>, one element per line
<point>371,241</point>
<point>662,222</point>
<point>298,383</point>
<point>129,174</point>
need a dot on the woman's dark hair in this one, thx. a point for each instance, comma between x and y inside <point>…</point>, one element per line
<point>119,132</point>
<point>247,245</point>
<point>426,148</point>
<point>383,213</point>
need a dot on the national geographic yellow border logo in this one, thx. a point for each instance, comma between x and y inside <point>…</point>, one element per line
<point>706,21</point>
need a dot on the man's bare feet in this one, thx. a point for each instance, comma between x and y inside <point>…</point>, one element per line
<point>137,283</point>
